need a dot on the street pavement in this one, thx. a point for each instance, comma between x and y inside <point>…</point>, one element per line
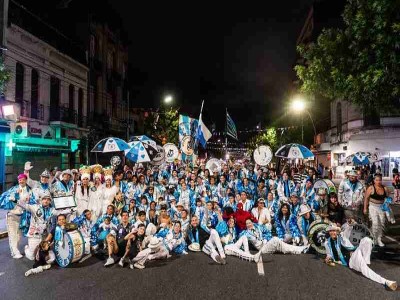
<point>196,276</point>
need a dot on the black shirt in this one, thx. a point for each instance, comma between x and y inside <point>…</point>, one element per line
<point>345,252</point>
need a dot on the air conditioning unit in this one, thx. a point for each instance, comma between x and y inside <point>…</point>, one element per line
<point>20,129</point>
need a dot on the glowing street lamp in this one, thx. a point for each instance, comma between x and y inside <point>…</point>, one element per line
<point>168,99</point>
<point>298,105</point>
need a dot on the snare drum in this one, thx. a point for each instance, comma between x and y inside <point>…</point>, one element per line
<point>71,250</point>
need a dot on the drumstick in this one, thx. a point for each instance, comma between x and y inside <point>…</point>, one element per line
<point>85,258</point>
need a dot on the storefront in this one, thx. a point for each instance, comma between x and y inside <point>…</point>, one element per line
<point>45,146</point>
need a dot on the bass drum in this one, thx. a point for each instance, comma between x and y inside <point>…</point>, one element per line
<point>317,235</point>
<point>357,233</point>
<point>71,249</point>
<point>326,184</point>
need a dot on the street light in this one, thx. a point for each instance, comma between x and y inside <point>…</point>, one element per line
<point>298,105</point>
<point>168,99</point>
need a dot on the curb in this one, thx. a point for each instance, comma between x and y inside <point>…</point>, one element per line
<point>3,234</point>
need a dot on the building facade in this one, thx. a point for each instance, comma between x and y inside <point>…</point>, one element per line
<point>48,90</point>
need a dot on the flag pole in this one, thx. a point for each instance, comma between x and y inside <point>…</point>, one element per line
<point>196,141</point>
<point>226,132</point>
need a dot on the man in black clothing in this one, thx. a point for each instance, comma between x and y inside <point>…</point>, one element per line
<point>116,241</point>
<point>196,236</point>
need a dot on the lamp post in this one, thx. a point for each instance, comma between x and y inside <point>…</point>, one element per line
<point>299,106</point>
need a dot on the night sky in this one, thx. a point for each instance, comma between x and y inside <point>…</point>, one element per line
<point>240,57</point>
<point>235,56</point>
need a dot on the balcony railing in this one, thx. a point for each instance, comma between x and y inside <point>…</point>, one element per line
<point>32,111</point>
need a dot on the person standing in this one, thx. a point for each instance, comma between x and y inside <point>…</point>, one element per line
<point>374,199</point>
<point>351,196</point>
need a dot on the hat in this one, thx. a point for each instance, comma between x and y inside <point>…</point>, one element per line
<point>151,229</point>
<point>194,247</point>
<point>261,200</point>
<point>155,243</point>
<point>180,204</point>
<point>215,199</point>
<point>332,227</point>
<point>304,208</point>
<point>44,195</point>
<point>74,171</point>
<point>352,173</point>
<point>22,176</point>
<point>66,172</point>
<point>108,172</point>
<point>321,191</point>
<point>45,173</point>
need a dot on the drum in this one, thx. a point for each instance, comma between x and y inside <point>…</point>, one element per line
<point>357,233</point>
<point>317,235</point>
<point>71,250</point>
<point>326,184</point>
<point>262,155</point>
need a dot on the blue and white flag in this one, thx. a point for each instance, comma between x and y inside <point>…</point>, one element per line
<point>187,135</point>
<point>203,134</point>
<point>230,127</point>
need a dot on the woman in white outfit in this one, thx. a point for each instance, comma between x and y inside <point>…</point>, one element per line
<point>96,197</point>
<point>373,201</point>
<point>109,192</point>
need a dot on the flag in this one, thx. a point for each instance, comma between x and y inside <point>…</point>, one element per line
<point>203,134</point>
<point>230,127</point>
<point>187,134</point>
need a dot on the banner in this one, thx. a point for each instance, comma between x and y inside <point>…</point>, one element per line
<point>187,134</point>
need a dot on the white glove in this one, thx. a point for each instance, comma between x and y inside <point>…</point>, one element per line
<point>305,241</point>
<point>297,240</point>
<point>28,166</point>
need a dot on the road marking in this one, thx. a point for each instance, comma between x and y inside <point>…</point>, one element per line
<point>260,267</point>
<point>392,239</point>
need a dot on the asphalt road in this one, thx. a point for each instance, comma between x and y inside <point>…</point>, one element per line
<point>195,276</point>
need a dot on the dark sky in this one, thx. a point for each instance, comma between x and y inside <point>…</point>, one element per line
<point>238,57</point>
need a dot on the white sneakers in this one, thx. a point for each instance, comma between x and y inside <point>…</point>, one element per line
<point>18,255</point>
<point>139,266</point>
<point>392,285</point>
<point>110,261</point>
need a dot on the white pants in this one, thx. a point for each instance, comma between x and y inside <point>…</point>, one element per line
<point>14,233</point>
<point>361,258</point>
<point>236,249</point>
<point>213,242</point>
<point>33,242</point>
<point>276,245</point>
<point>378,218</point>
<point>149,254</point>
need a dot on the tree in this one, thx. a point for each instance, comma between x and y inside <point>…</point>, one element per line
<point>5,75</point>
<point>163,126</point>
<point>359,63</point>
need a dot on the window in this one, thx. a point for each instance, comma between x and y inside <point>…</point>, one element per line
<point>34,94</point>
<point>71,93</point>
<point>339,118</point>
<point>19,83</point>
<point>80,106</point>
<point>54,99</point>
<point>371,117</point>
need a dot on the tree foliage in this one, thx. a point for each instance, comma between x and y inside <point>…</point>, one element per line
<point>359,63</point>
<point>5,75</point>
<point>163,126</point>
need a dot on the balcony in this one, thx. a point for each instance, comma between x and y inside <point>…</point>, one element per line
<point>32,111</point>
<point>63,114</point>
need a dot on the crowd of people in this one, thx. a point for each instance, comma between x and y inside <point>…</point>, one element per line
<point>135,215</point>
